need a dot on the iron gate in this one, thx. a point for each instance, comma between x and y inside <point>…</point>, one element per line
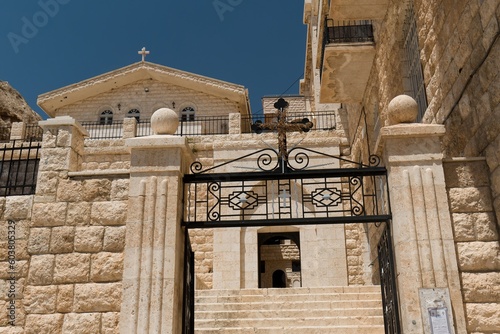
<point>188,302</point>
<point>388,282</point>
<point>357,193</point>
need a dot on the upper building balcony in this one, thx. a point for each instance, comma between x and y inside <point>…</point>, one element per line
<point>343,10</point>
<point>347,57</point>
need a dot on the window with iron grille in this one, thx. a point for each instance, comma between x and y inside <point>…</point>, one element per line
<point>19,168</point>
<point>187,114</point>
<point>134,113</point>
<point>414,77</point>
<point>106,117</point>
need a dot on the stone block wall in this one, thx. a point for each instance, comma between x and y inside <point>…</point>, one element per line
<point>147,96</point>
<point>69,243</point>
<point>477,242</point>
<point>296,104</point>
<point>76,245</point>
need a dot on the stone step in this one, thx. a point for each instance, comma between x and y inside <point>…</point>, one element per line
<point>295,330</point>
<point>287,313</point>
<point>346,310</point>
<point>360,320</point>
<point>293,291</point>
<point>287,297</point>
<point>301,304</point>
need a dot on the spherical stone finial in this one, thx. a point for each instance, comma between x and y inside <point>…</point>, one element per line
<point>164,121</point>
<point>402,109</point>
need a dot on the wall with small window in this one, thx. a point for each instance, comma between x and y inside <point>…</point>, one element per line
<point>139,100</point>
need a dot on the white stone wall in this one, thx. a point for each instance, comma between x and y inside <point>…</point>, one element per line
<point>296,104</point>
<point>158,95</point>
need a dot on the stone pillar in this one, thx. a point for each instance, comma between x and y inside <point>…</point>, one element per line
<point>129,127</point>
<point>154,244</point>
<point>424,250</point>
<point>62,148</point>
<point>234,123</point>
<point>17,131</point>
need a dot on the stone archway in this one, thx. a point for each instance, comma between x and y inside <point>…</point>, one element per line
<point>279,252</point>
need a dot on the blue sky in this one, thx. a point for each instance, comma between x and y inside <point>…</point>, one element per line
<point>48,44</point>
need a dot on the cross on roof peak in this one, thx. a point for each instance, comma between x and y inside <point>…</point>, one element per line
<point>144,53</point>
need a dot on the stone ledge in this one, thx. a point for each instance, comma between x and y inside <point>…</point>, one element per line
<point>63,121</point>
<point>97,173</point>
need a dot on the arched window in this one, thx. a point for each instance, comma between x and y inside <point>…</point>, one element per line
<point>106,117</point>
<point>187,114</point>
<point>135,113</point>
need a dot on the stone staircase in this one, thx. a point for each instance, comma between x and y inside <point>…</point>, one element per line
<point>336,310</point>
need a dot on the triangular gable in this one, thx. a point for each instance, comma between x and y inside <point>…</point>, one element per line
<point>71,94</point>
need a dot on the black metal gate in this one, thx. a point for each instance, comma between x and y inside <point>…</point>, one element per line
<point>188,303</point>
<point>292,191</point>
<point>19,167</point>
<point>388,283</point>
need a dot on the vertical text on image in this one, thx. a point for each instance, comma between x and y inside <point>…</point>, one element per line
<point>11,272</point>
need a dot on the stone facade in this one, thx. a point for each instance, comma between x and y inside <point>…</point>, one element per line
<point>69,246</point>
<point>476,238</point>
<point>458,50</point>
<point>147,96</point>
<point>98,247</point>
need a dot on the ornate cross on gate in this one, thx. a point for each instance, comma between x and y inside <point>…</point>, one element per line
<point>282,126</point>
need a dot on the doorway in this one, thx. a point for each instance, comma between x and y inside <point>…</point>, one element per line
<point>279,258</point>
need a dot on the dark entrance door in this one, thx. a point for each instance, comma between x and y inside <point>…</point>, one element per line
<point>279,279</point>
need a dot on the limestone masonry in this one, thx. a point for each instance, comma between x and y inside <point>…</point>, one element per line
<point>95,204</point>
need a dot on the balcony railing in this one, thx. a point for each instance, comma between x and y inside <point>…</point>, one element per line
<point>348,31</point>
<point>5,133</point>
<point>33,132</point>
<point>200,126</point>
<point>207,125</point>
<point>97,130</point>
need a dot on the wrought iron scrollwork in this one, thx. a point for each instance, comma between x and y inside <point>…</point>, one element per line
<point>300,160</point>
<point>265,162</point>
<point>196,167</point>
<point>213,190</point>
<point>268,160</point>
<point>374,160</point>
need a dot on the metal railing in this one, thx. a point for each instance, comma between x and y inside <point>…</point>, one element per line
<point>206,125</point>
<point>200,126</point>
<point>33,132</point>
<point>5,133</point>
<point>97,130</point>
<point>322,120</point>
<point>348,31</point>
<point>19,162</point>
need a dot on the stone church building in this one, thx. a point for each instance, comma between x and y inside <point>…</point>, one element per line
<point>155,201</point>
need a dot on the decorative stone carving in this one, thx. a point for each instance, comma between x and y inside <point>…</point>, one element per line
<point>402,109</point>
<point>164,121</point>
